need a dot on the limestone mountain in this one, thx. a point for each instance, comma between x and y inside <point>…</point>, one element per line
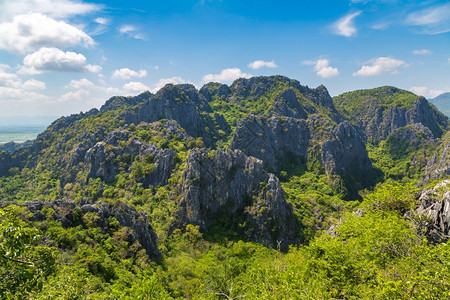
<point>442,102</point>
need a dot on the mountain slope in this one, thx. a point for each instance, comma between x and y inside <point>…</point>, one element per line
<point>202,194</point>
<point>442,102</point>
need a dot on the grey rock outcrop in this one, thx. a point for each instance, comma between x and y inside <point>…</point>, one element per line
<point>379,122</point>
<point>66,213</point>
<point>280,140</point>
<point>235,187</point>
<point>435,204</point>
<point>438,165</point>
<point>344,154</point>
<point>182,103</point>
<point>100,159</point>
<point>287,104</point>
<point>274,140</point>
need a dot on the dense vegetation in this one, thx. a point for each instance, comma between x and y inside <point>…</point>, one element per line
<point>372,246</point>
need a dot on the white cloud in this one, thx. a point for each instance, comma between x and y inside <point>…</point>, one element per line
<point>432,20</point>
<point>102,21</point>
<point>13,81</point>
<point>135,87</point>
<point>426,92</point>
<point>379,66</point>
<point>226,76</point>
<point>93,68</point>
<point>422,52</point>
<point>34,85</point>
<point>12,88</point>
<point>32,31</point>
<point>126,73</point>
<point>344,26</point>
<point>51,8</point>
<point>131,31</point>
<point>8,79</point>
<point>323,68</point>
<point>257,64</point>
<point>163,81</point>
<point>53,59</point>
<point>88,94</point>
<point>81,84</point>
<point>19,94</point>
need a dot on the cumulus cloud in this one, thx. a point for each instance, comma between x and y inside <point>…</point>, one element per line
<point>32,31</point>
<point>135,87</point>
<point>6,78</point>
<point>226,76</point>
<point>34,85</point>
<point>426,92</point>
<point>87,93</point>
<point>82,83</point>
<point>19,94</point>
<point>51,8</point>
<point>379,66</point>
<point>344,26</point>
<point>422,52</point>
<point>323,68</point>
<point>163,81</point>
<point>432,20</point>
<point>257,64</point>
<point>126,73</point>
<point>55,60</point>
<point>131,31</point>
<point>12,87</point>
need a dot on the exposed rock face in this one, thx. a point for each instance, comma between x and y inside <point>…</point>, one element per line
<point>273,140</point>
<point>438,165</point>
<point>287,104</point>
<point>100,159</point>
<point>126,215</point>
<point>411,136</point>
<point>379,122</point>
<point>345,154</point>
<point>230,185</point>
<point>181,103</point>
<point>278,140</point>
<point>435,203</point>
<point>423,113</point>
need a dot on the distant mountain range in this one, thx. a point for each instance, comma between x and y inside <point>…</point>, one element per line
<point>442,102</point>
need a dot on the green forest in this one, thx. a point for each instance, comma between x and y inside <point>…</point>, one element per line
<point>264,189</point>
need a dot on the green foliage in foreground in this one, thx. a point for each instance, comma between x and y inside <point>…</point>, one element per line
<point>372,254</point>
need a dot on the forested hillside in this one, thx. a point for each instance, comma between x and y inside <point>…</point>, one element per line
<point>264,189</point>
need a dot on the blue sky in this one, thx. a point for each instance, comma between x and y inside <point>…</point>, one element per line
<point>59,57</point>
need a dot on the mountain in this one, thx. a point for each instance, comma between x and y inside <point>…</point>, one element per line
<point>186,193</point>
<point>442,102</point>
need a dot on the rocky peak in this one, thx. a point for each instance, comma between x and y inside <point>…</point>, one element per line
<point>257,86</point>
<point>214,89</point>
<point>118,101</point>
<point>181,103</point>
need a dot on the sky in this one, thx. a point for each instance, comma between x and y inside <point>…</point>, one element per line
<point>59,57</point>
